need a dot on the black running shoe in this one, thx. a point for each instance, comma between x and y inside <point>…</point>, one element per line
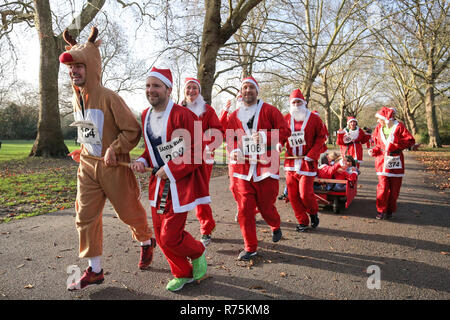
<point>380,216</point>
<point>276,235</point>
<point>314,220</point>
<point>246,256</point>
<point>301,227</point>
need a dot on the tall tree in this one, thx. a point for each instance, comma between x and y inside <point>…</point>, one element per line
<point>418,39</point>
<point>215,35</point>
<point>319,32</point>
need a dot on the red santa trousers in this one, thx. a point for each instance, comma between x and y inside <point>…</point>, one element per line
<point>301,196</point>
<point>250,195</point>
<point>177,244</point>
<point>204,211</point>
<point>388,190</point>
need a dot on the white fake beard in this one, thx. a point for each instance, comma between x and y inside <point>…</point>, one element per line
<point>353,134</point>
<point>156,123</point>
<point>239,104</point>
<point>298,113</point>
<point>198,106</point>
<point>246,113</point>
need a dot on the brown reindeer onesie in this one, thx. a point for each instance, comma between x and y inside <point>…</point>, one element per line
<point>104,121</point>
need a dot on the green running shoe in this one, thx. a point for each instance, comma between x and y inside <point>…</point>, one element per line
<point>199,267</point>
<point>177,283</point>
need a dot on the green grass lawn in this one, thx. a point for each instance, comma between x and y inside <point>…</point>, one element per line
<point>32,186</point>
<point>20,149</point>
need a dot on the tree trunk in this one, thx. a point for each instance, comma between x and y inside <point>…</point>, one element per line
<point>433,129</point>
<point>215,35</point>
<point>49,141</point>
<point>210,47</point>
<point>410,119</point>
<point>328,123</point>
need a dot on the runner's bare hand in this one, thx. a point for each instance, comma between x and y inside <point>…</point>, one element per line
<point>161,174</point>
<point>110,159</point>
<point>138,166</point>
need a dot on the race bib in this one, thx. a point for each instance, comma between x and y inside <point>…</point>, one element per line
<point>87,132</point>
<point>297,139</point>
<point>347,138</point>
<point>250,147</point>
<point>171,150</point>
<point>392,162</point>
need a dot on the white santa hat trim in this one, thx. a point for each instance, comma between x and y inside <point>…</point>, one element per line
<point>187,80</point>
<point>252,81</point>
<point>379,116</point>
<point>351,119</point>
<point>161,77</point>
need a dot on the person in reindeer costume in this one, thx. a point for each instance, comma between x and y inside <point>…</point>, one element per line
<point>180,182</point>
<point>107,129</point>
<point>306,142</point>
<point>390,138</point>
<point>351,140</point>
<point>194,101</point>
<point>259,128</point>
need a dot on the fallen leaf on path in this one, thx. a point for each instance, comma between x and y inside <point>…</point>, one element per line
<point>29,286</point>
<point>444,253</point>
<point>204,278</point>
<point>256,287</point>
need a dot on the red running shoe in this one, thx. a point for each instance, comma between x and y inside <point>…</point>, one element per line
<point>89,277</point>
<point>147,255</point>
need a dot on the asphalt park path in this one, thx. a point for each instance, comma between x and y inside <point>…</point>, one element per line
<point>412,252</point>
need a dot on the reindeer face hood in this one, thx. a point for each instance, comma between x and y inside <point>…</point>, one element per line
<point>87,54</point>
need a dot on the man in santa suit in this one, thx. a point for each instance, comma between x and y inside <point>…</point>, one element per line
<point>390,138</point>
<point>253,132</point>
<point>303,148</point>
<point>213,132</point>
<point>179,180</point>
<point>351,140</point>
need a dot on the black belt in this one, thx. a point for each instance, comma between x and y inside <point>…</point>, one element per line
<point>165,193</point>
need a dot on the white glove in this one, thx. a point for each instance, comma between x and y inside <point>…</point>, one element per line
<point>279,147</point>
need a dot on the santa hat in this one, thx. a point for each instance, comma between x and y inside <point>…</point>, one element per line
<point>162,74</point>
<point>315,112</point>
<point>252,81</point>
<point>351,119</point>
<point>385,114</point>
<point>187,80</point>
<point>296,95</point>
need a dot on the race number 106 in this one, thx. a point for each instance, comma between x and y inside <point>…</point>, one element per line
<point>246,309</point>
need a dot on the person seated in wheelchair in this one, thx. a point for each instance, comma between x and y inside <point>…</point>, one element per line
<point>326,170</point>
<point>341,170</point>
<point>346,170</point>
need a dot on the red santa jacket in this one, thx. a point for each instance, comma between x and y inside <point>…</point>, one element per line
<point>223,118</point>
<point>315,136</point>
<point>212,129</point>
<point>188,182</point>
<point>388,150</point>
<point>270,123</point>
<point>355,147</point>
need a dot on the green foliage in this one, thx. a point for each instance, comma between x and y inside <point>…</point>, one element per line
<point>18,122</point>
